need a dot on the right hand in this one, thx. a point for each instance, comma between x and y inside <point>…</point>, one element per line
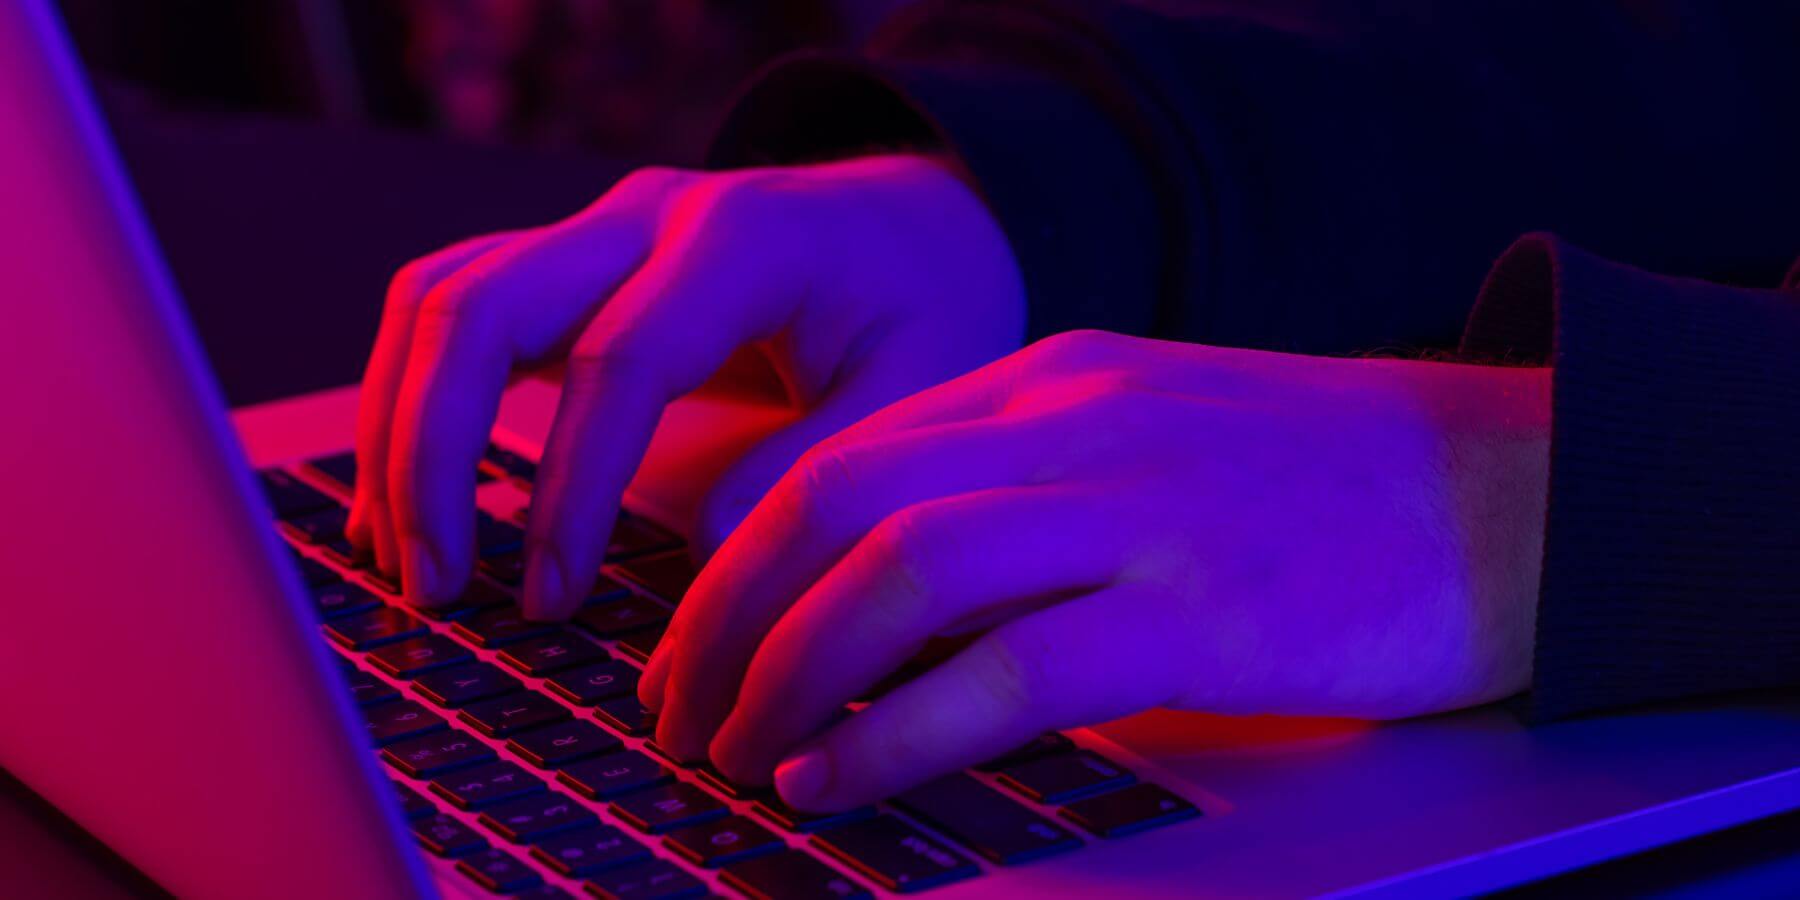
<point>862,281</point>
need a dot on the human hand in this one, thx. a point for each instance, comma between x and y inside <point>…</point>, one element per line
<point>1125,524</point>
<point>861,281</point>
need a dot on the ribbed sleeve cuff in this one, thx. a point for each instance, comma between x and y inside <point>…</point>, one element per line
<point>1672,547</point>
<point>1081,269</point>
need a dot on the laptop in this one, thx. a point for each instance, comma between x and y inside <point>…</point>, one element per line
<point>196,669</point>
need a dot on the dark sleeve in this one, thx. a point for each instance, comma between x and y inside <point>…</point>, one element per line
<point>1672,548</point>
<point>1320,177</point>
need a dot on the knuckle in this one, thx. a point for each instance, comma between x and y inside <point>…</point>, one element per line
<point>821,480</point>
<point>617,359</point>
<point>908,556</point>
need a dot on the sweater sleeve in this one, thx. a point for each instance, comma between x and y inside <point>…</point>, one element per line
<point>1319,178</point>
<point>1672,547</point>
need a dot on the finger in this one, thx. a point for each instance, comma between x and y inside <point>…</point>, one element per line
<point>1089,660</point>
<point>708,289</point>
<point>815,514</point>
<point>922,572</point>
<point>371,526</point>
<point>517,305</point>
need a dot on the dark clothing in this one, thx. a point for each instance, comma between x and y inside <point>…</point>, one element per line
<point>1330,178</point>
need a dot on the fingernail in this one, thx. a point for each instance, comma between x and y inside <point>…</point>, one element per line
<point>804,778</point>
<point>419,570</point>
<point>544,589</point>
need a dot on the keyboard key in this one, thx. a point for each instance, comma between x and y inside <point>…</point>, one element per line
<point>1042,745</point>
<point>614,775</point>
<point>465,684</point>
<point>494,537</point>
<point>339,550</point>
<point>339,468</point>
<point>985,821</point>
<point>790,819</point>
<point>290,497</point>
<point>499,871</point>
<point>416,656</point>
<point>626,716</point>
<point>589,851</point>
<point>446,835</point>
<point>374,628</point>
<point>717,781</point>
<point>1130,810</point>
<point>634,536</point>
<point>895,855</point>
<point>511,714</point>
<point>657,879</point>
<point>589,685</point>
<point>367,690</point>
<point>542,891</point>
<point>342,599</point>
<point>722,842</point>
<point>315,574</point>
<point>639,645</point>
<point>670,758</point>
<point>484,786</point>
<point>668,807</point>
<point>430,755</point>
<point>316,529</point>
<point>510,464</point>
<point>479,595</point>
<point>616,618</point>
<point>667,576</point>
<point>555,746</point>
<point>507,568</point>
<point>386,583</point>
<point>607,589</point>
<point>540,657</point>
<point>527,819</point>
<point>498,627</point>
<point>790,875</point>
<point>413,805</point>
<point>390,722</point>
<point>1064,777</point>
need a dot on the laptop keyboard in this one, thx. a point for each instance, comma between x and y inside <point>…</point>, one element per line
<point>520,751</point>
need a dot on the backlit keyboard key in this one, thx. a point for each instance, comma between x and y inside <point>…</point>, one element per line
<point>316,529</point>
<point>290,497</point>
<point>341,600</point>
<point>315,574</point>
<point>985,821</point>
<point>511,714</point>
<point>390,722</point>
<point>367,690</point>
<point>790,875</point>
<point>413,805</point>
<point>626,716</point>
<point>895,855</point>
<point>499,871</point>
<point>479,595</point>
<point>555,746</point>
<point>529,819</point>
<point>667,576</point>
<point>1130,810</point>
<point>722,842</point>
<point>446,835</point>
<point>639,645</point>
<point>614,775</point>
<point>339,468</point>
<point>657,879</point>
<point>1064,777</point>
<point>716,780</point>
<point>1042,745</point>
<point>416,656</point>
<point>539,657</point>
<point>589,685</point>
<point>511,464</point>
<point>589,851</point>
<point>387,583</point>
<point>507,568</point>
<point>430,755</point>
<point>615,618</point>
<point>494,537</point>
<point>374,628</point>
<point>462,685</point>
<point>790,819</point>
<point>499,627</point>
<point>634,536</point>
<point>486,785</point>
<point>666,808</point>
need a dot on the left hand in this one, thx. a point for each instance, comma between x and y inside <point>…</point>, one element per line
<point>1125,524</point>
